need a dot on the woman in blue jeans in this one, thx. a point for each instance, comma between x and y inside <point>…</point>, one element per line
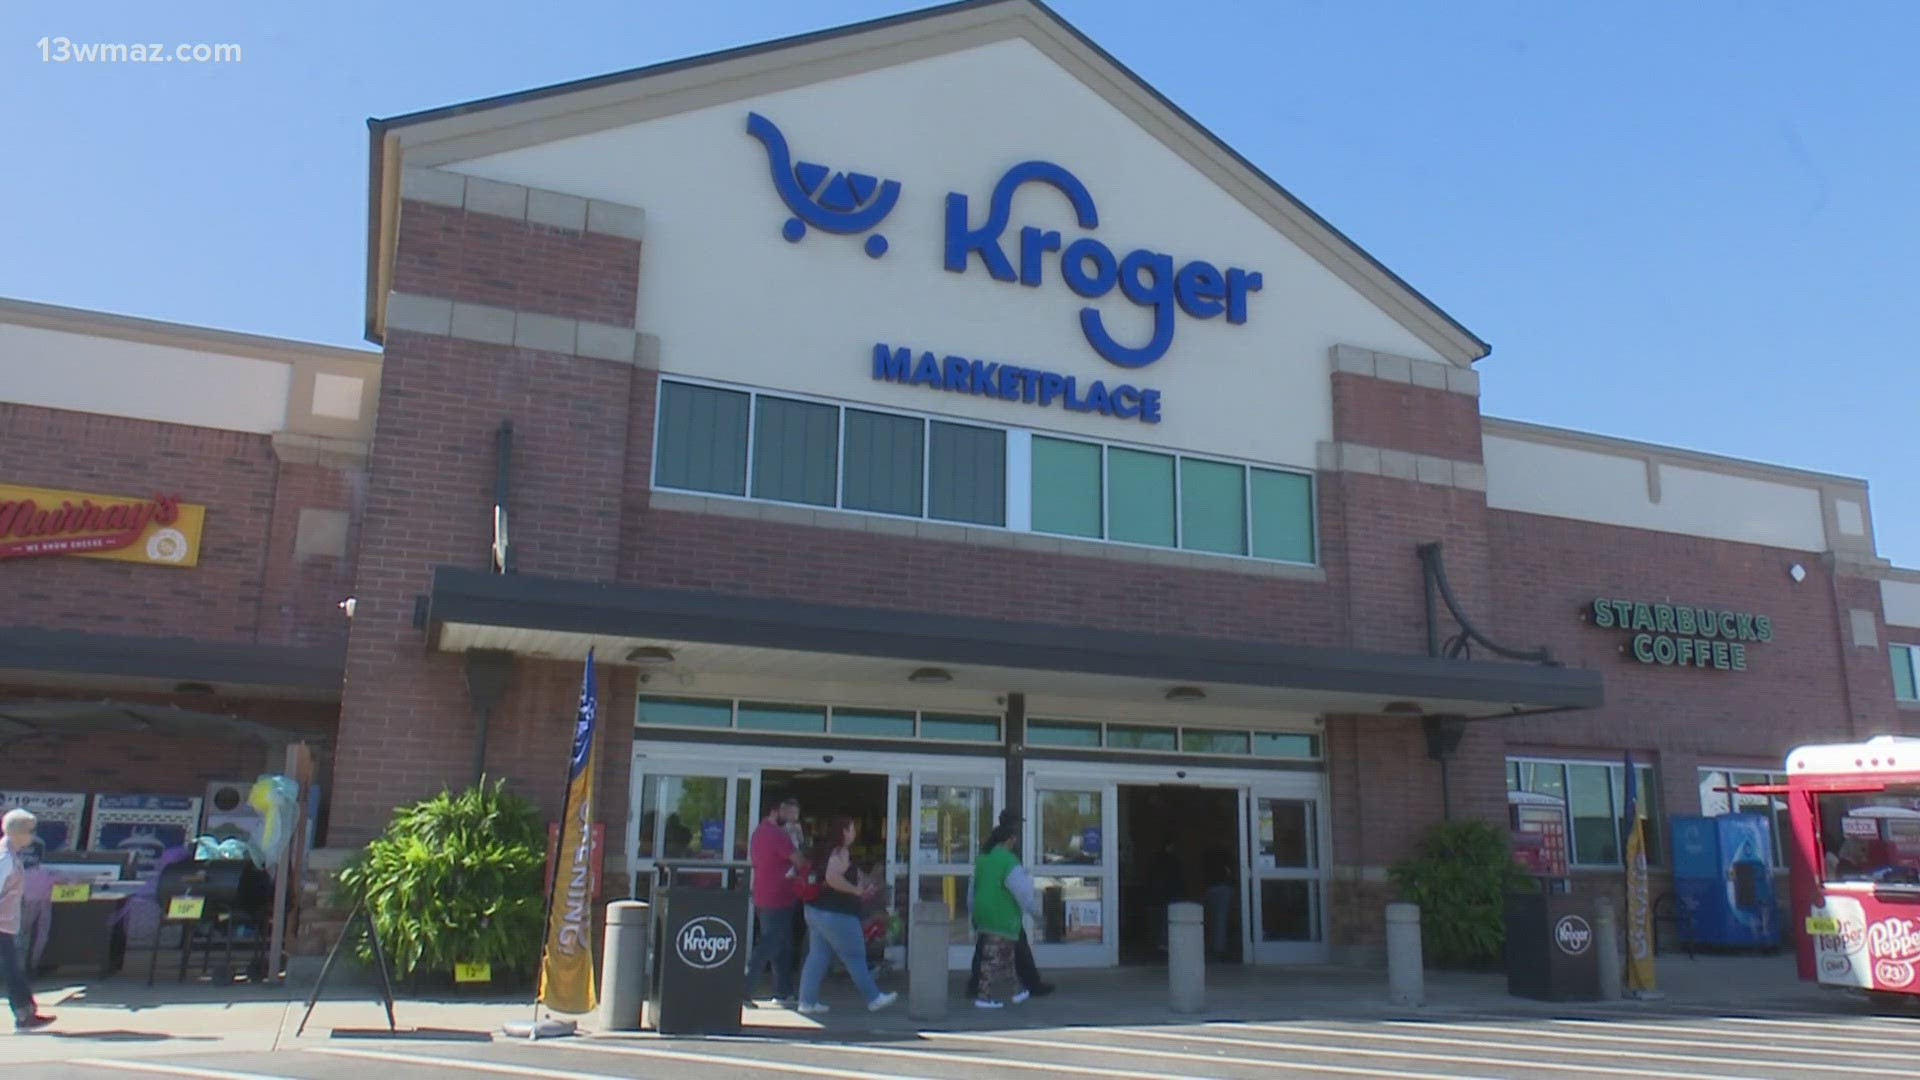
<point>833,923</point>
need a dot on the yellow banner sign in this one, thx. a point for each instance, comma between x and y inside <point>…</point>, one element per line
<point>159,530</point>
<point>1819,925</point>
<point>186,907</point>
<point>472,973</point>
<point>78,893</point>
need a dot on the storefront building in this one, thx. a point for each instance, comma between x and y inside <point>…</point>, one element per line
<point>1034,452</point>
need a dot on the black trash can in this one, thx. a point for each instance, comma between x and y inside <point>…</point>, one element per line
<point>1553,953</point>
<point>699,960</point>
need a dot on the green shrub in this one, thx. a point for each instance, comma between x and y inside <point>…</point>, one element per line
<point>1460,875</point>
<point>456,879</point>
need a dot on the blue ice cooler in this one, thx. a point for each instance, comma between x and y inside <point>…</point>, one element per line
<point>1721,877</point>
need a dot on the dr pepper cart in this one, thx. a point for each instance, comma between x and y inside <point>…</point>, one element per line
<point>1855,813</point>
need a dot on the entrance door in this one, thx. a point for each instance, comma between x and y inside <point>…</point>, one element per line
<point>943,820</point>
<point>1070,851</point>
<point>685,812</point>
<point>1285,875</point>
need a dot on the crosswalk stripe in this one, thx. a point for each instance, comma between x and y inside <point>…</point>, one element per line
<point>857,1049</point>
<point>160,1069</point>
<point>1657,1054</point>
<point>1698,1044</point>
<point>1688,1029</point>
<point>461,1064</point>
<point>634,1052</point>
<point>1217,1059</point>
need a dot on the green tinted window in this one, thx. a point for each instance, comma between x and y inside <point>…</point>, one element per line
<point>680,712</point>
<point>1066,487</point>
<point>1904,682</point>
<point>1197,741</point>
<point>873,724</point>
<point>885,466</point>
<point>796,451</point>
<point>1213,507</point>
<point>702,440</point>
<point>1287,745</point>
<point>1282,516</point>
<point>1141,508</point>
<point>802,719</point>
<point>1057,734</point>
<point>1122,737</point>
<point>967,478</point>
<point>960,728</point>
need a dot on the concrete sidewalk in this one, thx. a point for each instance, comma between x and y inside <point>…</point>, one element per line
<point>123,1018</point>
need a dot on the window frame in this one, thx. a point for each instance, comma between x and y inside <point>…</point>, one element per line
<point>1913,670</point>
<point>827,709</point>
<point>1655,845</point>
<point>1014,521</point>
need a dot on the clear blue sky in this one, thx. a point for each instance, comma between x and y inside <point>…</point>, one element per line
<point>1691,223</point>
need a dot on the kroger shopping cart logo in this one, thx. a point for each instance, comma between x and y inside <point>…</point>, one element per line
<point>848,203</point>
<point>1159,286</point>
<point>1573,935</point>
<point>706,942</point>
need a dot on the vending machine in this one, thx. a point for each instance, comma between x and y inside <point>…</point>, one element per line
<point>1722,880</point>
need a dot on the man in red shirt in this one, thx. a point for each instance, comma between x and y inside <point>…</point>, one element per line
<point>777,866</point>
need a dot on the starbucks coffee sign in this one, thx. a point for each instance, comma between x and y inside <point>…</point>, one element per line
<point>1674,636</point>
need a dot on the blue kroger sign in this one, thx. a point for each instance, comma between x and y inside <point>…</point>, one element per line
<point>850,203</point>
<point>1090,268</point>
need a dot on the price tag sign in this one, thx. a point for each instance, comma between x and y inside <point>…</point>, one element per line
<point>78,893</point>
<point>186,907</point>
<point>1821,925</point>
<point>472,973</point>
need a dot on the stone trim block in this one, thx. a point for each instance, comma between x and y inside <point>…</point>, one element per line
<point>321,533</point>
<point>1866,629</point>
<point>550,209</point>
<point>524,329</point>
<point>1408,370</point>
<point>1401,465</point>
<point>944,532</point>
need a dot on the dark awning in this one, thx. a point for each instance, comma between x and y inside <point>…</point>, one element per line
<point>28,719</point>
<point>465,603</point>
<point>266,670</point>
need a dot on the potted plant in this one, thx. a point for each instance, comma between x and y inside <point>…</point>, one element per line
<point>1460,875</point>
<point>456,880</point>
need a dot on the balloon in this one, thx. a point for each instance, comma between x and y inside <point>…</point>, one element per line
<point>277,799</point>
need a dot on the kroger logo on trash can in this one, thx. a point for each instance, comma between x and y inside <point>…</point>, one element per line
<point>1572,934</point>
<point>706,942</point>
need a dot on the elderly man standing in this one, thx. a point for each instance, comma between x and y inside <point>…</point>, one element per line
<point>17,827</point>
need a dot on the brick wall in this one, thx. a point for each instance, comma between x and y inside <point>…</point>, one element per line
<point>1402,416</point>
<point>483,259</point>
<point>247,588</point>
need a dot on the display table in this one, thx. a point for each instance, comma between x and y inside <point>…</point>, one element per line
<point>84,935</point>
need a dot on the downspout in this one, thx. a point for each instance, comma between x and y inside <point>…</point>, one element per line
<point>1832,562</point>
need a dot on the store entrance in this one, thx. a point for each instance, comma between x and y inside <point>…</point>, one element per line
<point>1179,842</point>
<point>826,794</point>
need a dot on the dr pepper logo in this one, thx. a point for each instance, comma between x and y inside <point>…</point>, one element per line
<point>1893,940</point>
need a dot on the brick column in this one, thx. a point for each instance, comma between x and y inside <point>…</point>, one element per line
<point>507,304</point>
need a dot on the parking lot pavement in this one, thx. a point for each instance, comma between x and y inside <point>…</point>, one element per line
<point>1581,1044</point>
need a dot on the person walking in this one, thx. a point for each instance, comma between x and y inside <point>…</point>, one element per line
<point>777,864</point>
<point>16,833</point>
<point>1023,963</point>
<point>1002,895</point>
<point>833,922</point>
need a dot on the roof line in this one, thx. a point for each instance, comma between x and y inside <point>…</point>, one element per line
<point>1495,425</point>
<point>72,320</point>
<point>379,128</point>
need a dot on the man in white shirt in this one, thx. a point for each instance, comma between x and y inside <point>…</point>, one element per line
<point>17,827</point>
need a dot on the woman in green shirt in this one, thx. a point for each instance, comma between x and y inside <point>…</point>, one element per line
<point>1001,890</point>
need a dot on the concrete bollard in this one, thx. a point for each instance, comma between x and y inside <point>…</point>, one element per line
<point>928,936</point>
<point>623,965</point>
<point>1187,957</point>
<point>1406,971</point>
<point>1606,939</point>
